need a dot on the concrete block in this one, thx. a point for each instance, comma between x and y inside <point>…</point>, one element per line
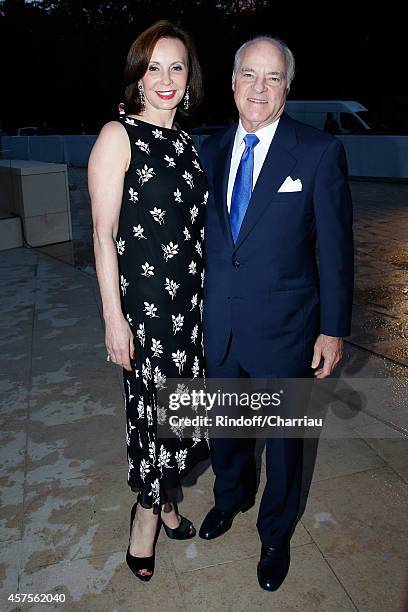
<point>11,236</point>
<point>48,229</point>
<point>44,193</point>
<point>37,192</point>
<point>6,192</point>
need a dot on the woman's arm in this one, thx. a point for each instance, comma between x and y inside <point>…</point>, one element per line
<point>107,165</point>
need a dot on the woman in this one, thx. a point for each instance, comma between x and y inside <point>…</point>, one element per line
<point>148,195</point>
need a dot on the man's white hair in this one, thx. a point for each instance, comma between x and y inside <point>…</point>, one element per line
<point>289,57</point>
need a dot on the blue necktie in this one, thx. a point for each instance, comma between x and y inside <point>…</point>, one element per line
<point>242,191</point>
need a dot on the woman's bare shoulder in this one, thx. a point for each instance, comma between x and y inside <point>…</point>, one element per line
<point>113,130</point>
<point>113,137</point>
<point>112,147</point>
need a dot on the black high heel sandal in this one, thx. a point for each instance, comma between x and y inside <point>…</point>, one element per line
<point>184,531</point>
<point>137,564</point>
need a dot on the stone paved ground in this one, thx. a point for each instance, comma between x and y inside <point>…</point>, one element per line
<point>64,499</point>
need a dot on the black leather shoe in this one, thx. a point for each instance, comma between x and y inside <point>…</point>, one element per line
<point>184,531</point>
<point>138,564</point>
<point>218,522</point>
<point>273,566</point>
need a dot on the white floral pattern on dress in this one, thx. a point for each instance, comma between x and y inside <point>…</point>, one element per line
<point>147,270</point>
<point>171,286</point>
<point>155,492</point>
<point>197,165</point>
<point>163,459</point>
<point>120,246</point>
<point>143,146</point>
<point>178,146</point>
<point>194,334</point>
<point>161,415</point>
<point>196,437</point>
<point>158,215</point>
<point>188,177</point>
<point>144,469</point>
<point>131,466</point>
<point>198,248</point>
<point>150,310</point>
<point>130,396</point>
<point>158,134</point>
<point>179,358</point>
<point>141,408</point>
<point>194,301</point>
<point>177,195</point>
<point>170,161</point>
<point>152,453</point>
<point>193,213</point>
<point>170,250</point>
<point>123,284</point>
<point>159,378</point>
<point>156,348</point>
<point>196,367</point>
<point>145,174</point>
<point>178,322</point>
<point>181,459</point>
<point>184,136</point>
<point>141,334</point>
<point>161,281</point>
<point>133,195</point>
<point>138,232</point>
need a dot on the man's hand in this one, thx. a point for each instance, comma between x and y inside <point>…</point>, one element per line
<point>330,349</point>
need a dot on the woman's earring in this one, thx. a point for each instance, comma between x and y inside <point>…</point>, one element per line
<point>141,94</point>
<point>186,103</point>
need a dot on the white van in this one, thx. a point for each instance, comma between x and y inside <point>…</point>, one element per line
<point>346,117</point>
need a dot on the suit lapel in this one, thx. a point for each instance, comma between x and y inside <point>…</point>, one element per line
<point>221,174</point>
<point>278,164</point>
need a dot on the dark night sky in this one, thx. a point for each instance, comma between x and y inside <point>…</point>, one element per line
<point>64,60</point>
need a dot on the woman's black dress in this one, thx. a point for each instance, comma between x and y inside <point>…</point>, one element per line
<point>160,257</point>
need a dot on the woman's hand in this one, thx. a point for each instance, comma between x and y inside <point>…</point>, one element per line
<point>119,342</point>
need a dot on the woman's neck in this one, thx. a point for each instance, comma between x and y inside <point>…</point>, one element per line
<point>163,118</point>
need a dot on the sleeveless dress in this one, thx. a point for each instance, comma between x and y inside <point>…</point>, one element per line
<point>161,274</point>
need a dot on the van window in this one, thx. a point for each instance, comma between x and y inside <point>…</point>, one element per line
<point>350,123</point>
<point>374,122</point>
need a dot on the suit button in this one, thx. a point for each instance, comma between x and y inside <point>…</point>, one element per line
<point>236,263</point>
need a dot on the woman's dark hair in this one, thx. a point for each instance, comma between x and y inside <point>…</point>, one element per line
<point>138,60</point>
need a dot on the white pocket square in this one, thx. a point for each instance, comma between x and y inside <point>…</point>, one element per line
<point>290,185</point>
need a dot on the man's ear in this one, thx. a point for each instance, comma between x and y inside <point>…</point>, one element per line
<point>233,83</point>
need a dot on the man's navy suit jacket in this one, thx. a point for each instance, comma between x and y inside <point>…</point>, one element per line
<point>268,289</point>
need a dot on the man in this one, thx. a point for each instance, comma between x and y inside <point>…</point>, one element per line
<point>330,125</point>
<point>276,188</point>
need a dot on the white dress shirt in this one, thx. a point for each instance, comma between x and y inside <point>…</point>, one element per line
<point>265,136</point>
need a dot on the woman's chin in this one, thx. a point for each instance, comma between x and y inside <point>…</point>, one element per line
<point>166,105</point>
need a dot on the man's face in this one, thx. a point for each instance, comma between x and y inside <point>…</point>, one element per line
<point>260,85</point>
